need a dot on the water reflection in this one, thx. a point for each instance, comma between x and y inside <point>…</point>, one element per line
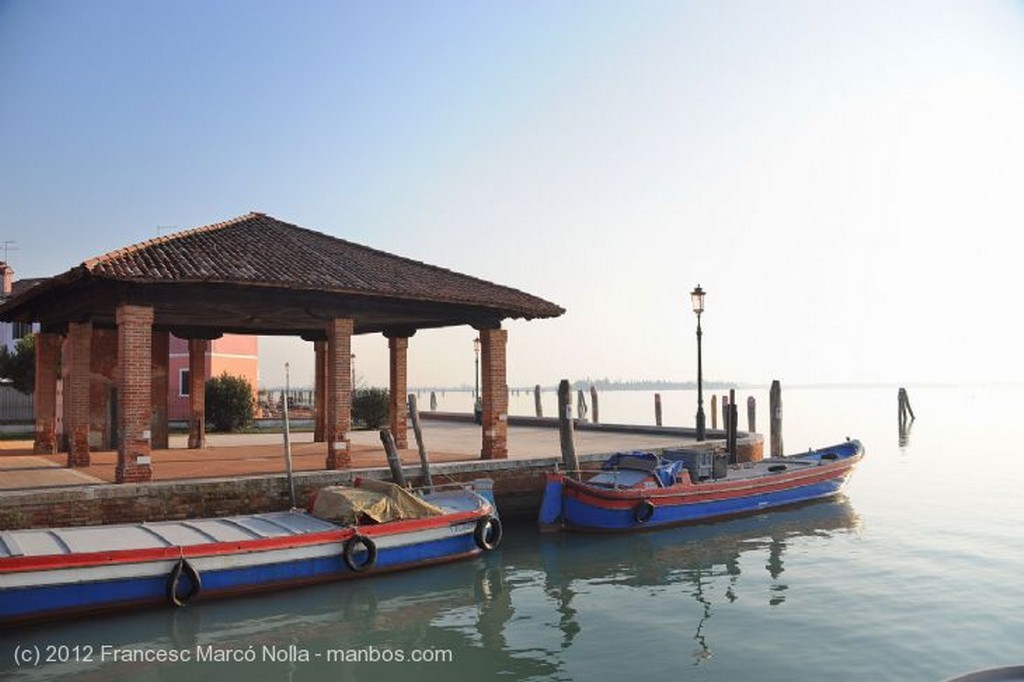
<point>705,560</point>
<point>518,612</point>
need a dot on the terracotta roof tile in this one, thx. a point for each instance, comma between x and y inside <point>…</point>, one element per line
<point>257,249</point>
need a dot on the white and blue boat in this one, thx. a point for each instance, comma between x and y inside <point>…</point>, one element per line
<point>642,490</point>
<point>56,573</point>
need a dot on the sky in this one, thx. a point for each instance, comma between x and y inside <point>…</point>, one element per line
<point>844,179</point>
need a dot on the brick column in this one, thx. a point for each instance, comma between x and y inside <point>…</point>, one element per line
<point>47,352</point>
<point>160,370</point>
<point>398,408</point>
<point>494,392</point>
<point>77,361</point>
<point>319,390</point>
<point>134,393</point>
<point>197,349</point>
<point>339,393</point>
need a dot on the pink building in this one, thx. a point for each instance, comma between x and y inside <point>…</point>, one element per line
<point>234,354</point>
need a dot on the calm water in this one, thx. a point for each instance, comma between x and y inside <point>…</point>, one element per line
<point>917,573</point>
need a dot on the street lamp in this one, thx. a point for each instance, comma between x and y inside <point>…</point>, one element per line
<point>697,299</point>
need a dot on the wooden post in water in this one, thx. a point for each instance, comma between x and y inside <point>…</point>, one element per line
<point>775,418</point>
<point>394,462</point>
<point>581,406</point>
<point>657,409</point>
<point>751,414</point>
<point>904,403</point>
<point>414,415</point>
<point>433,401</point>
<point>565,429</point>
<point>732,425</point>
<point>593,404</point>
<point>714,411</point>
<point>536,400</point>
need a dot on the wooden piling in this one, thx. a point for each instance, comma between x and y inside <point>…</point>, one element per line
<point>725,412</point>
<point>581,406</point>
<point>751,414</point>
<point>593,404</point>
<point>394,462</point>
<point>714,411</point>
<point>565,429</point>
<point>414,416</point>
<point>433,401</point>
<point>657,409</point>
<point>732,426</point>
<point>775,418</point>
<point>536,401</point>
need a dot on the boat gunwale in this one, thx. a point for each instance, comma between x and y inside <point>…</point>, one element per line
<point>29,563</point>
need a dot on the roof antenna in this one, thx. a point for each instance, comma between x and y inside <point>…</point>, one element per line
<point>8,247</point>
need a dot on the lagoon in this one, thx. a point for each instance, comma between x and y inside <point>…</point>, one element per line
<point>913,574</point>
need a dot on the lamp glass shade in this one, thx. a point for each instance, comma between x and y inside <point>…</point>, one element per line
<point>697,299</point>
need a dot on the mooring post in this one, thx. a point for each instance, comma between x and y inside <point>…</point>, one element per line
<point>394,462</point>
<point>657,409</point>
<point>725,413</point>
<point>593,404</point>
<point>733,418</point>
<point>775,418</point>
<point>414,415</point>
<point>904,405</point>
<point>536,400</point>
<point>433,401</point>
<point>751,414</point>
<point>714,411</point>
<point>565,429</point>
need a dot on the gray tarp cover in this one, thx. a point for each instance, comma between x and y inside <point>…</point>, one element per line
<point>379,500</point>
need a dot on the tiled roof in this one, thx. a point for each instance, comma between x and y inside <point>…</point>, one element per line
<point>257,249</point>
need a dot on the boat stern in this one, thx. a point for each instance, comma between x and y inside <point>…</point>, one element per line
<point>549,518</point>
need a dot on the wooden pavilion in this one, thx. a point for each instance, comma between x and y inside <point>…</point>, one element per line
<point>107,322</point>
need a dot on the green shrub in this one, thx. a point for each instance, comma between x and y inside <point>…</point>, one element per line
<point>370,407</point>
<point>229,403</point>
<point>20,366</point>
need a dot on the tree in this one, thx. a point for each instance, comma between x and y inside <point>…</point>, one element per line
<point>20,366</point>
<point>229,403</point>
<point>370,407</point>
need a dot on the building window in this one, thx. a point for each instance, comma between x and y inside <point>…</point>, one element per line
<point>183,383</point>
<point>22,329</point>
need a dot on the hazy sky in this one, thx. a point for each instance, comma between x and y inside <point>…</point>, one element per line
<point>845,179</point>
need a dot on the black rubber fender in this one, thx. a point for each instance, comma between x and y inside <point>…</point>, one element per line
<point>487,533</point>
<point>183,567</point>
<point>643,511</point>
<point>352,545</point>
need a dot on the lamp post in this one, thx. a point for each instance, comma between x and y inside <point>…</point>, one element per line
<point>697,299</point>
<point>477,403</point>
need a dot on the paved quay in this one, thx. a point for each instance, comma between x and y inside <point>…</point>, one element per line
<point>229,455</point>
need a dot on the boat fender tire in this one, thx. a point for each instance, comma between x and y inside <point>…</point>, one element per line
<point>352,545</point>
<point>183,567</point>
<point>643,511</point>
<point>487,533</point>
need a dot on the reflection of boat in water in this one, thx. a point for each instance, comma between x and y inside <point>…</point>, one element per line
<point>642,490</point>
<point>56,573</point>
<point>706,559</point>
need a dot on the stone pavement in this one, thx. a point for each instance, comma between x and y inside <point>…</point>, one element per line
<point>254,454</point>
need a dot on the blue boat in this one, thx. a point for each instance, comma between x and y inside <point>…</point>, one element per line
<point>50,574</point>
<point>643,490</point>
